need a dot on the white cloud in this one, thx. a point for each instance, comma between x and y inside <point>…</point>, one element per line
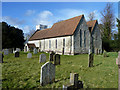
<point>29,12</point>
<point>44,17</point>
<point>13,21</point>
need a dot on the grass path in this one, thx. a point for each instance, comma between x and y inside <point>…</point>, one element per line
<point>25,73</point>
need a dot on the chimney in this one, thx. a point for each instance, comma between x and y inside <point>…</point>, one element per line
<point>41,27</point>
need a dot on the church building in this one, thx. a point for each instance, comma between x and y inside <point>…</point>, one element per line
<point>68,37</point>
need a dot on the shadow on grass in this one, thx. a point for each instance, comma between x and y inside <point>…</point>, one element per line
<point>61,79</point>
<point>97,64</point>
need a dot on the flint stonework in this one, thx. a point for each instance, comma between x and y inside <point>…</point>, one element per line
<point>42,58</point>
<point>47,73</point>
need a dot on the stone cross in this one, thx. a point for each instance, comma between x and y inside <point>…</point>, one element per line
<point>118,63</point>
<point>91,53</point>
<point>29,55</point>
<point>16,54</point>
<point>56,59</point>
<point>47,73</point>
<point>42,58</point>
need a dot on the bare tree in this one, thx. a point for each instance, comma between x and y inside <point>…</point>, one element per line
<point>108,20</point>
<point>91,16</point>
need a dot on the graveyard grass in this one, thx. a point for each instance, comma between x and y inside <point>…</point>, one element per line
<point>23,72</point>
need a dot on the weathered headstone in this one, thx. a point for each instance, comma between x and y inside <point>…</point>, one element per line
<point>6,51</point>
<point>25,48</point>
<point>91,53</point>
<point>29,55</point>
<point>47,74</point>
<point>1,57</point>
<point>51,54</point>
<point>34,51</point>
<point>56,59</point>
<point>118,62</point>
<point>42,58</point>
<point>16,54</point>
<point>74,79</point>
<point>74,82</point>
<point>10,50</point>
<point>18,49</point>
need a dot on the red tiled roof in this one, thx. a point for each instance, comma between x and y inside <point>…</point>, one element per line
<point>91,24</point>
<point>62,28</point>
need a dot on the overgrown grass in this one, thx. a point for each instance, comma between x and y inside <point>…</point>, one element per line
<point>23,72</point>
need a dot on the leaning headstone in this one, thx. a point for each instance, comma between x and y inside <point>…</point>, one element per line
<point>42,58</point>
<point>6,51</point>
<point>34,51</point>
<point>118,62</point>
<point>47,74</point>
<point>16,54</point>
<point>56,59</point>
<point>51,54</point>
<point>29,55</point>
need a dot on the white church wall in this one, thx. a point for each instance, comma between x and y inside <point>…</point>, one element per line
<point>56,45</point>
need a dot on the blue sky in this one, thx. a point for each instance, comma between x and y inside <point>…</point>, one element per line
<point>26,15</point>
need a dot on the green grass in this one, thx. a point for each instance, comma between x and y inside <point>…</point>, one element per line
<point>23,72</point>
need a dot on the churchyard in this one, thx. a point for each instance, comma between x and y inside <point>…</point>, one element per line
<point>24,72</point>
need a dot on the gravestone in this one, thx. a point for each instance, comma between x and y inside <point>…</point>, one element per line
<point>25,48</point>
<point>74,79</point>
<point>16,54</point>
<point>10,50</point>
<point>51,55</point>
<point>56,59</point>
<point>118,63</point>
<point>1,57</point>
<point>42,58</point>
<point>18,49</point>
<point>47,73</point>
<point>91,53</point>
<point>74,82</point>
<point>34,51</point>
<point>6,51</point>
<point>29,55</point>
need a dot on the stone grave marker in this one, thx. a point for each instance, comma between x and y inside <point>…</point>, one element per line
<point>118,63</point>
<point>47,73</point>
<point>91,53</point>
<point>74,82</point>
<point>42,58</point>
<point>18,49</point>
<point>34,51</point>
<point>51,54</point>
<point>29,55</point>
<point>6,51</point>
<point>56,59</point>
<point>17,54</point>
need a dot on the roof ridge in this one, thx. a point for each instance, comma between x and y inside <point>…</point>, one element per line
<point>69,19</point>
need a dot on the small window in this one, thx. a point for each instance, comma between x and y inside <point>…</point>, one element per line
<point>84,39</point>
<point>80,38</point>
<point>56,43</point>
<point>49,43</point>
